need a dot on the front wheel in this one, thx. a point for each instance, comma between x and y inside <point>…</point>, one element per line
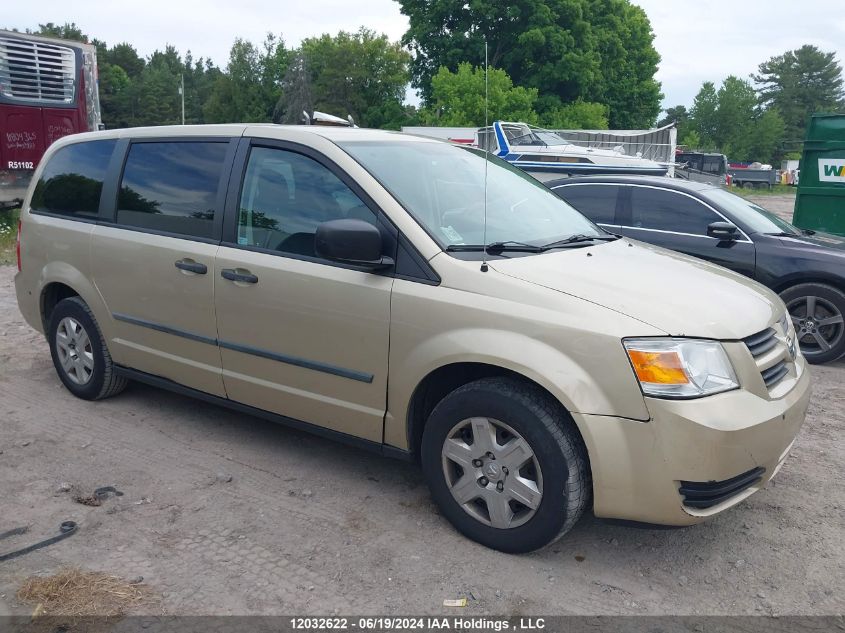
<point>817,313</point>
<point>506,464</point>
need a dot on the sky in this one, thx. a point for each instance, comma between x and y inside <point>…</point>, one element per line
<point>698,40</point>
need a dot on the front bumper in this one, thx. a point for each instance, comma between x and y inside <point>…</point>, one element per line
<point>638,467</point>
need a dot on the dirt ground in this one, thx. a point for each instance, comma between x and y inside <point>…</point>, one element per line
<point>227,514</point>
<point>782,204</point>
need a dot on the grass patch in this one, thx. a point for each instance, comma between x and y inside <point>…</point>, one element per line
<point>8,234</point>
<point>77,593</point>
<point>776,190</point>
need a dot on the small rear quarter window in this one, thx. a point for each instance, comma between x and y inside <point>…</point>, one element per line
<point>72,180</point>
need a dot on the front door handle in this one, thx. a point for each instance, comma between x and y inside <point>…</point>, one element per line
<point>191,266</point>
<point>233,275</point>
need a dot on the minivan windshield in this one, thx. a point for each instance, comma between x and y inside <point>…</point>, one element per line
<point>756,218</point>
<point>442,187</point>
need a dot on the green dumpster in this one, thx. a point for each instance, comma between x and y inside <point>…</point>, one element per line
<point>820,203</point>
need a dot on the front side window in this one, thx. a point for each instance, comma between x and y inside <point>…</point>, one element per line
<point>443,187</point>
<point>172,187</point>
<point>597,202</point>
<point>286,196</point>
<point>669,211</point>
<point>72,180</point>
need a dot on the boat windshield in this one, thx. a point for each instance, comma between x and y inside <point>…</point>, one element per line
<point>525,135</point>
<point>551,138</point>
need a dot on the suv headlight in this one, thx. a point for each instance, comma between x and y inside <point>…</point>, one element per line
<point>680,368</point>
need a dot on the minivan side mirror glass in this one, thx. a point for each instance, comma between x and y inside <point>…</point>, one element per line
<point>723,231</point>
<point>351,241</point>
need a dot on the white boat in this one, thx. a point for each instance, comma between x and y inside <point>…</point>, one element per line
<point>547,155</point>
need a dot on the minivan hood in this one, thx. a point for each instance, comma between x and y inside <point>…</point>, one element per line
<point>675,293</point>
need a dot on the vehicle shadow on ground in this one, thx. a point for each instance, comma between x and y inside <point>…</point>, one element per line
<point>398,486</point>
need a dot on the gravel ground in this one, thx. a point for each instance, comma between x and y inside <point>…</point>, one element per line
<point>782,204</point>
<point>226,514</point>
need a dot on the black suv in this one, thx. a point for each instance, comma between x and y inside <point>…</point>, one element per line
<point>806,268</point>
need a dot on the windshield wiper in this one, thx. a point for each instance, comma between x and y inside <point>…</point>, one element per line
<point>580,238</point>
<point>522,247</point>
<point>497,247</point>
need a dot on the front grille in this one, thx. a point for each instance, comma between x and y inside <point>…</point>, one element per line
<point>706,494</point>
<point>760,343</point>
<point>774,374</point>
<point>36,71</point>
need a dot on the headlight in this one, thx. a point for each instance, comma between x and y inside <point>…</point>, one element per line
<point>680,368</point>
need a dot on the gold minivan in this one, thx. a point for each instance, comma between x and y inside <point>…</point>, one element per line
<point>420,299</point>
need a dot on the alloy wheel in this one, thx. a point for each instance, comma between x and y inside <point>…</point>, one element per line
<point>819,324</point>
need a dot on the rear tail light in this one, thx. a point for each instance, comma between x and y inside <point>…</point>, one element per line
<point>18,246</point>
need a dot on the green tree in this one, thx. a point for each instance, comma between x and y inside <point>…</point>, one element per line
<point>125,56</point>
<point>735,113</point>
<point>594,50</point>
<point>677,115</point>
<point>799,83</point>
<point>362,74</point>
<point>628,62</point>
<point>296,100</point>
<point>66,31</point>
<point>731,121</point>
<point>116,96</point>
<point>691,141</point>
<point>680,116</point>
<point>252,84</point>
<point>579,115</point>
<point>766,138</point>
<point>458,98</point>
<point>703,115</point>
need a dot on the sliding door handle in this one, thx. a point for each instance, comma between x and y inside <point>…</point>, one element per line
<point>191,266</point>
<point>241,275</point>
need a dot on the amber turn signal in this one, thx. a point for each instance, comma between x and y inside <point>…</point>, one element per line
<point>662,368</point>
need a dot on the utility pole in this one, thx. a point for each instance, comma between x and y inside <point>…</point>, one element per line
<point>182,92</point>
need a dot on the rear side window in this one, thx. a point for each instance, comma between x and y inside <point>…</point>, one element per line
<point>597,202</point>
<point>669,211</point>
<point>72,180</point>
<point>172,187</point>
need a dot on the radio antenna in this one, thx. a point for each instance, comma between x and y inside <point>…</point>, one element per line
<point>484,266</point>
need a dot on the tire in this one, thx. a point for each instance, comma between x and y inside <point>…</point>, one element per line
<point>818,314</point>
<point>558,468</point>
<point>86,371</point>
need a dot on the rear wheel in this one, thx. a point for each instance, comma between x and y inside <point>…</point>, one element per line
<point>817,313</point>
<point>79,352</point>
<point>506,464</point>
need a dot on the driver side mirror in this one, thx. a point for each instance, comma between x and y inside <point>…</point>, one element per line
<point>723,231</point>
<point>351,241</point>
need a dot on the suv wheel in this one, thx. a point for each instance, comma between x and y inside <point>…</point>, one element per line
<point>817,313</point>
<point>79,353</point>
<point>505,464</point>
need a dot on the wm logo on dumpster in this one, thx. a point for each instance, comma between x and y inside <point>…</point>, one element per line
<point>832,170</point>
